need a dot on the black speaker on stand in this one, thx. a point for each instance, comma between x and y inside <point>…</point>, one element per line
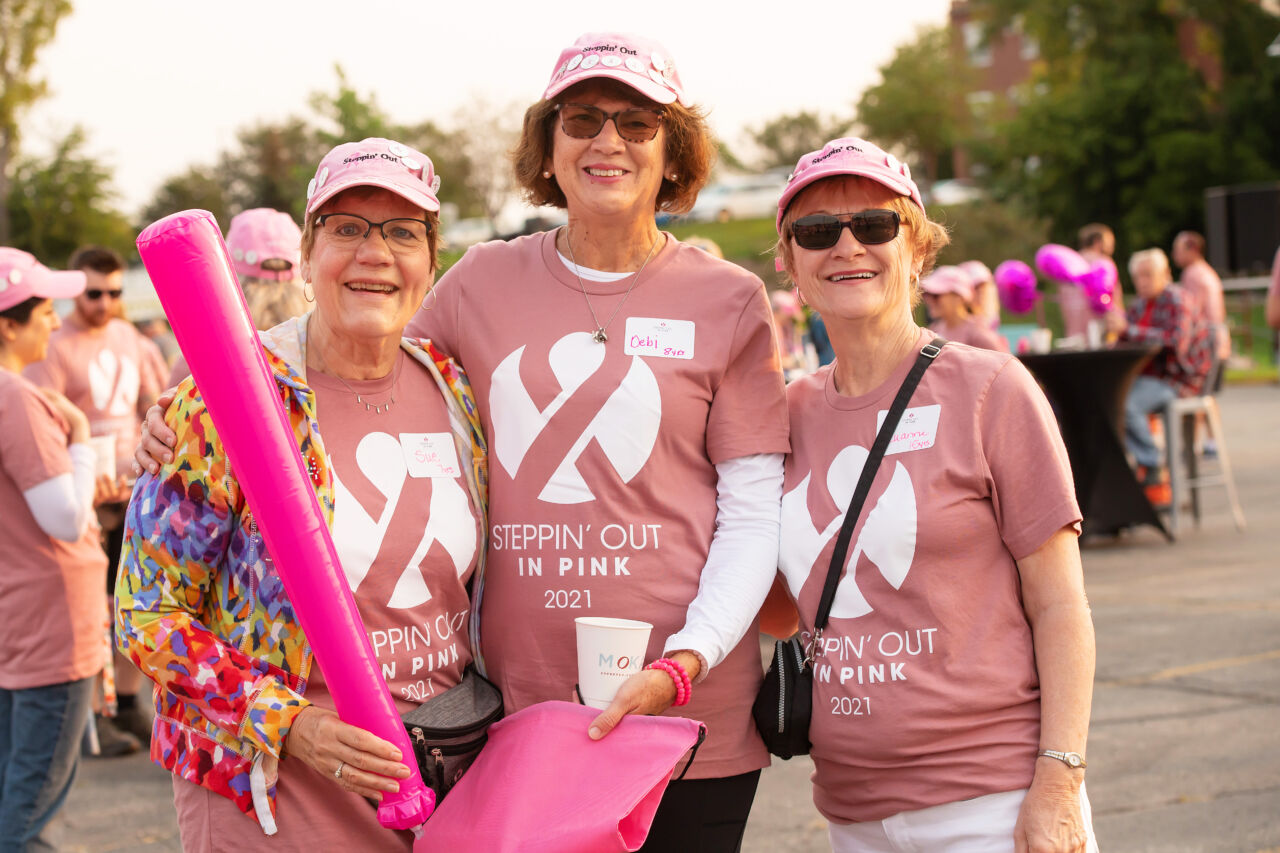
<point>1242,227</point>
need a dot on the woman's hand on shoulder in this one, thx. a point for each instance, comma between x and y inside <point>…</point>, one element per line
<point>369,765</point>
<point>77,422</point>
<point>650,691</point>
<point>157,441</point>
<point>1050,820</point>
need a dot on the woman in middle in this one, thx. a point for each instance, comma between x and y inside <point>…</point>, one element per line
<point>951,298</point>
<point>635,414</point>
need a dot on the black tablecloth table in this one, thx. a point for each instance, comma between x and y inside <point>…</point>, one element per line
<point>1087,389</point>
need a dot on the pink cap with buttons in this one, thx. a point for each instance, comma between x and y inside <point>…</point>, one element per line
<point>265,243</point>
<point>640,63</point>
<point>375,162</point>
<point>23,277</point>
<point>849,156</point>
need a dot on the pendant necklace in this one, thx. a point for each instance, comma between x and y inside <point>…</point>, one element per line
<point>376,408</point>
<point>600,335</point>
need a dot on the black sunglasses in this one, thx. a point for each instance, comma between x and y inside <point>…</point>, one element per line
<point>583,121</point>
<point>822,230</point>
<point>96,293</point>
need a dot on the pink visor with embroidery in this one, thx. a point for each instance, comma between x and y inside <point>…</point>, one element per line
<point>375,162</point>
<point>265,243</point>
<point>849,156</point>
<point>640,63</point>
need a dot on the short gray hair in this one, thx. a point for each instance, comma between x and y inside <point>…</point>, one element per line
<point>1153,254</point>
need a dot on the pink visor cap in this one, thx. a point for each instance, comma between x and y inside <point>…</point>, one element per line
<point>23,277</point>
<point>375,162</point>
<point>948,279</point>
<point>640,63</point>
<point>849,156</point>
<point>977,271</point>
<point>265,243</point>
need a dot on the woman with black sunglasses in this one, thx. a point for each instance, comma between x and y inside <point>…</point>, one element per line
<point>634,407</point>
<point>953,678</point>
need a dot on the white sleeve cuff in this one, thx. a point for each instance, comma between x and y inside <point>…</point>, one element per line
<point>741,563</point>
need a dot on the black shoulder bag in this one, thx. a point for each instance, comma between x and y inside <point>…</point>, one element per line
<point>784,704</point>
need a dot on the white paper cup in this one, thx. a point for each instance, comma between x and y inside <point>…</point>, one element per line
<point>104,448</point>
<point>1041,340</point>
<point>609,652</point>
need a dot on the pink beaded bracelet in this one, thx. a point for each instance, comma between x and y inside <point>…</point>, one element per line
<point>684,688</point>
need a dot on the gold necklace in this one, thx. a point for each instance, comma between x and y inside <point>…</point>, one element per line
<point>600,335</point>
<point>376,408</point>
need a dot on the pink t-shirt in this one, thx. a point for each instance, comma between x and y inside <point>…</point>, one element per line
<point>53,603</point>
<point>408,536</point>
<point>1076,312</point>
<point>1206,302</point>
<point>974,332</point>
<point>925,686</point>
<point>602,456</point>
<point>106,372</point>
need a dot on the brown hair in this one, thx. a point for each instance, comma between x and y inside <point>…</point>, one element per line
<point>927,237</point>
<point>1092,233</point>
<point>690,148</point>
<point>100,259</point>
<point>1193,240</point>
<point>21,313</point>
<point>272,302</point>
<point>309,226</point>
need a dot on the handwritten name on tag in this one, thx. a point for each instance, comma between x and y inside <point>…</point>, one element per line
<point>661,338</point>
<point>916,431</point>
<point>430,454</point>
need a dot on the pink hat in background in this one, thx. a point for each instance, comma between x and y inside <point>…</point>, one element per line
<point>640,63</point>
<point>977,271</point>
<point>376,162</point>
<point>265,243</point>
<point>23,277</point>
<point>948,279</point>
<point>849,156</point>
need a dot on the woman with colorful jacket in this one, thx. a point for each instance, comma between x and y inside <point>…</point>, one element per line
<point>243,711</point>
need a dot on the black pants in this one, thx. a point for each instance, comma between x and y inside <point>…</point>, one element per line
<point>703,815</point>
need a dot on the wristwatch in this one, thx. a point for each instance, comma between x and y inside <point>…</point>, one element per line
<point>1071,759</point>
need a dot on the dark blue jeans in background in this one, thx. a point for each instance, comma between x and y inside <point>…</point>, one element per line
<point>40,732</point>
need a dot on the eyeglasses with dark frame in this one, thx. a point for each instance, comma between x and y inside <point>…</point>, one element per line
<point>584,121</point>
<point>822,230</point>
<point>95,293</point>
<point>349,229</point>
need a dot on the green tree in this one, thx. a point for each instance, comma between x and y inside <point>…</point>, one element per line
<point>919,103</point>
<point>196,188</point>
<point>25,27</point>
<point>785,139</point>
<point>64,201</point>
<point>1135,109</point>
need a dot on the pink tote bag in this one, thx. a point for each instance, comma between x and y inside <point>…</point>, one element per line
<point>541,785</point>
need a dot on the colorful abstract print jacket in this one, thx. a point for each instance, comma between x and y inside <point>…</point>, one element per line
<point>200,607</point>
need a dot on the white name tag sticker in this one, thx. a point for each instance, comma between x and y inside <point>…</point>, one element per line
<point>661,338</point>
<point>916,431</point>
<point>430,454</point>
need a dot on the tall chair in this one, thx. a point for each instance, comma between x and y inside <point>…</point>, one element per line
<point>1180,448</point>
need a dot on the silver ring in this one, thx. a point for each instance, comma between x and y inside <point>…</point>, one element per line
<point>337,774</point>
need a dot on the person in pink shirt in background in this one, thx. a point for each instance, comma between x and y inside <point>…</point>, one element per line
<point>109,371</point>
<point>52,568</point>
<point>949,294</point>
<point>1273,294</point>
<point>1203,288</point>
<point>1097,244</point>
<point>986,298</point>
<point>953,683</point>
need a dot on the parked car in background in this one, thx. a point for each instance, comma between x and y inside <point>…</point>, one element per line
<point>739,197</point>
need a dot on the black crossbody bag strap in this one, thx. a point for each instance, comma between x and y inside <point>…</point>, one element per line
<point>927,354</point>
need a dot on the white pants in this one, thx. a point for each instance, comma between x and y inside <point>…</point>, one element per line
<point>981,825</point>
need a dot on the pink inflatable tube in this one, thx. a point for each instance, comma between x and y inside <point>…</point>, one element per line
<point>191,270</point>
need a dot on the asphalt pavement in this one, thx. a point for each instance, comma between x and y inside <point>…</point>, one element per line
<point>1184,746</point>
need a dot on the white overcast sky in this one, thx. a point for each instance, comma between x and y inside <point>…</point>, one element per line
<point>162,84</point>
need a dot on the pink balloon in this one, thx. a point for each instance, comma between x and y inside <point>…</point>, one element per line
<point>1016,284</point>
<point>1061,263</point>
<point>191,270</point>
<point>1099,284</point>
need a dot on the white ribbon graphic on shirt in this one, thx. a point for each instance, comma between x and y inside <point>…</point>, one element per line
<point>888,537</point>
<point>113,383</point>
<point>625,428</point>
<point>358,536</point>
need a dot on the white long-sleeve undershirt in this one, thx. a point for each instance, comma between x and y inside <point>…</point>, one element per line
<point>63,505</point>
<point>741,562</point>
